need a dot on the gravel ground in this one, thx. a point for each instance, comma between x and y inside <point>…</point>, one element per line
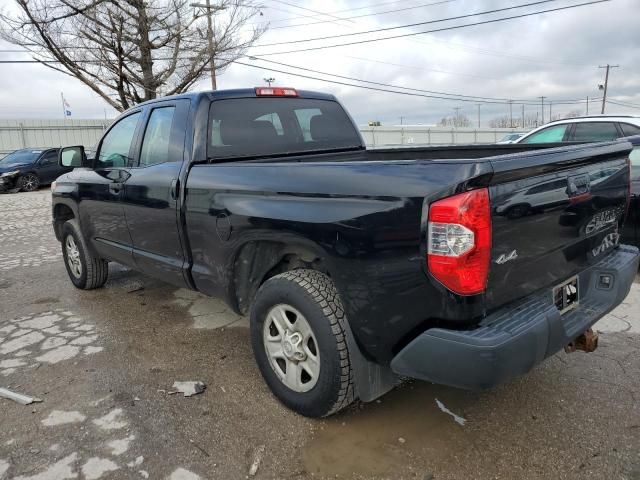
<point>104,363</point>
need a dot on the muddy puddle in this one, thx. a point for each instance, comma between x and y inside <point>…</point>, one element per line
<point>406,432</point>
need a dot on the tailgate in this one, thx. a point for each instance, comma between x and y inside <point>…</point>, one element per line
<point>553,214</point>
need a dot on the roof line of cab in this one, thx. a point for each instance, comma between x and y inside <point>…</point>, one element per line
<point>233,93</point>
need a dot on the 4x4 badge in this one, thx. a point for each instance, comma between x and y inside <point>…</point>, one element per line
<point>505,257</point>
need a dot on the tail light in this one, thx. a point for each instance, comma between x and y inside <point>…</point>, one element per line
<point>629,191</point>
<point>459,241</point>
<point>276,92</point>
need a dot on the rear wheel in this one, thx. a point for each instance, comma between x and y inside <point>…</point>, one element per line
<point>85,271</point>
<point>29,182</point>
<point>299,341</point>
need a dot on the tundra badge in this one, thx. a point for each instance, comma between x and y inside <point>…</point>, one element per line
<point>609,241</point>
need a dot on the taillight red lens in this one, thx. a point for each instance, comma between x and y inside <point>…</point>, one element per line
<point>276,92</point>
<point>459,241</point>
<point>629,190</point>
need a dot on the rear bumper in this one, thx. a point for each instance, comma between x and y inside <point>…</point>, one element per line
<point>512,341</point>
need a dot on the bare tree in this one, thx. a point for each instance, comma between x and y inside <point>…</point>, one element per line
<point>130,51</point>
<point>500,122</point>
<point>573,114</point>
<point>505,122</point>
<point>455,121</point>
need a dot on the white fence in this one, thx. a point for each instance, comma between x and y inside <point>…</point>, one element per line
<point>417,135</point>
<point>15,134</point>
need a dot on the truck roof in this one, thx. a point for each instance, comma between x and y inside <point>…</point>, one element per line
<point>236,93</point>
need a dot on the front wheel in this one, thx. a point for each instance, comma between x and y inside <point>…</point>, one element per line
<point>85,271</point>
<point>29,182</point>
<point>299,341</point>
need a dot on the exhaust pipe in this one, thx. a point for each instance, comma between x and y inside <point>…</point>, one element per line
<point>587,342</point>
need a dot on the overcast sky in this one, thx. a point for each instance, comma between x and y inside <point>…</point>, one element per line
<point>555,54</point>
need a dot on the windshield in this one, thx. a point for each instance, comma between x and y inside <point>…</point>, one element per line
<point>250,127</point>
<point>21,157</point>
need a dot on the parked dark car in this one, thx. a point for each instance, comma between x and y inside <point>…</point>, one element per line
<point>27,169</point>
<point>356,267</point>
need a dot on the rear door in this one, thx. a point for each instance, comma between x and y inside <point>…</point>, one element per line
<point>151,192</point>
<point>553,213</point>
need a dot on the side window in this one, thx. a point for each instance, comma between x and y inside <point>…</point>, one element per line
<point>49,158</point>
<point>595,131</point>
<point>115,146</point>
<point>548,135</point>
<point>155,145</point>
<point>629,129</point>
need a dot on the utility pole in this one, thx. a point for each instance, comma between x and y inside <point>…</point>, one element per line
<point>523,115</point>
<point>455,120</point>
<point>542,109</point>
<point>210,10</point>
<point>511,113</point>
<point>479,105</point>
<point>606,84</point>
<point>550,117</point>
<point>401,120</point>
<point>587,105</point>
<point>269,80</point>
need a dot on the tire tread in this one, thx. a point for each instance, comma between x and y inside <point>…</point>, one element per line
<point>323,291</point>
<point>96,269</point>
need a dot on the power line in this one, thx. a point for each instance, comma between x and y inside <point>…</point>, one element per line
<point>452,45</point>
<point>420,68</point>
<point>408,25</point>
<point>456,27</point>
<point>364,15</point>
<point>432,92</point>
<point>497,53</point>
<point>424,93</point>
<point>307,9</point>
<point>378,89</point>
<point>346,10</point>
<point>623,104</point>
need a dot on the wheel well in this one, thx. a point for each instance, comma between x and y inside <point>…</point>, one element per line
<point>61,213</point>
<point>257,262</point>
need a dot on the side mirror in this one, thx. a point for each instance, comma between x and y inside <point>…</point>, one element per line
<point>73,157</point>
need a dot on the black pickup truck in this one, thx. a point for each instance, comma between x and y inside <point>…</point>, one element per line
<point>462,265</point>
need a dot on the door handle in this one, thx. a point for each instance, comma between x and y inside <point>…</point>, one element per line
<point>115,188</point>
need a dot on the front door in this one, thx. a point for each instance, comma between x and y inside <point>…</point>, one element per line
<point>101,191</point>
<point>151,196</point>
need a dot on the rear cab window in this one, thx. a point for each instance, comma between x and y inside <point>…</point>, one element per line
<point>262,127</point>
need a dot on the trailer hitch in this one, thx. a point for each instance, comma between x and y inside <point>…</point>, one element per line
<point>587,342</point>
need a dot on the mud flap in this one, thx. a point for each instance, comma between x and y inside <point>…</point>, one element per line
<point>371,380</point>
